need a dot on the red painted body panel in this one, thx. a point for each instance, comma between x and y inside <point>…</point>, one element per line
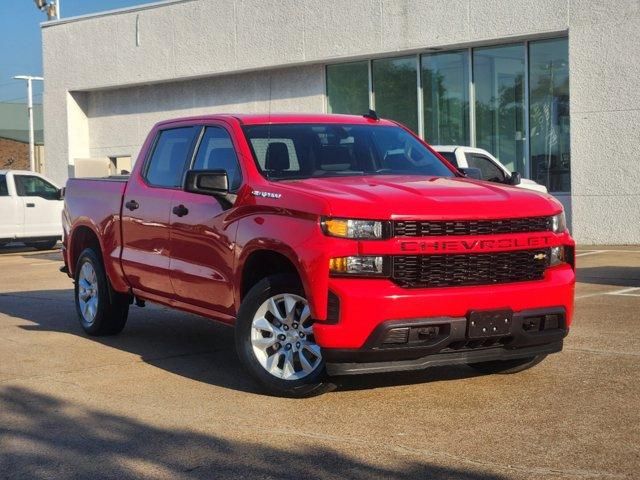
<point>195,263</point>
<point>95,204</point>
<point>202,253</point>
<point>364,304</point>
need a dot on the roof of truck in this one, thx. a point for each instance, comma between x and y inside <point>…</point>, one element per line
<point>283,118</point>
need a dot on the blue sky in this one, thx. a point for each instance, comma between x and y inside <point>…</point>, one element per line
<point>21,43</point>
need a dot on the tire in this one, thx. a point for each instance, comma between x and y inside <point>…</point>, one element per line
<point>508,366</point>
<point>101,311</point>
<point>43,245</point>
<point>274,347</point>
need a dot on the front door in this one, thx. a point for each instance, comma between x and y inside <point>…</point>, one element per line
<point>42,206</point>
<point>146,211</point>
<point>202,239</point>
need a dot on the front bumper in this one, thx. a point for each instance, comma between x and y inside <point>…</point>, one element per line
<point>430,342</point>
<point>365,304</point>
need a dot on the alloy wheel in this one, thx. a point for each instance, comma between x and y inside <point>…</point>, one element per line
<point>282,337</point>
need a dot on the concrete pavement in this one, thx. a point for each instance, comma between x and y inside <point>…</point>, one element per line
<point>168,399</point>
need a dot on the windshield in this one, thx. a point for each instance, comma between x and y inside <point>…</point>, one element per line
<point>308,151</point>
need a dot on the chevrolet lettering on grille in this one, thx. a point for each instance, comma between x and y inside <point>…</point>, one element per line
<point>473,245</point>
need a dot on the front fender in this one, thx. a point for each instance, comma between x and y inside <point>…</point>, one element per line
<point>298,238</point>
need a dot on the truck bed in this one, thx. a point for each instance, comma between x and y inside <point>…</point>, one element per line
<point>97,203</point>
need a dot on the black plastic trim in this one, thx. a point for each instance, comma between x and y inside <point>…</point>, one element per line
<point>448,339</point>
<point>452,358</point>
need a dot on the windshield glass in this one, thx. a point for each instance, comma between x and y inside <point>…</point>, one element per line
<point>308,150</point>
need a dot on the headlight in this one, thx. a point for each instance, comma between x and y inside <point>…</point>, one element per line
<point>364,266</point>
<point>558,223</point>
<point>356,229</point>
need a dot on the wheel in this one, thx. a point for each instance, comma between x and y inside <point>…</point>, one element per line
<point>43,245</point>
<point>508,366</point>
<point>101,310</point>
<point>275,342</point>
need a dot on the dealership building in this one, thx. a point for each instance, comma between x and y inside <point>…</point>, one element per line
<point>550,87</point>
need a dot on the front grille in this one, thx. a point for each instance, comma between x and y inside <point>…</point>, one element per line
<point>413,271</point>
<point>428,228</point>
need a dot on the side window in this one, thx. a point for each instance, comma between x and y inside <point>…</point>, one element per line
<point>169,157</point>
<point>4,191</point>
<point>216,152</point>
<point>490,171</point>
<point>32,186</point>
<point>451,158</point>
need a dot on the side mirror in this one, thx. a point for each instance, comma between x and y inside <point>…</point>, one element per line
<point>471,173</point>
<point>515,178</point>
<point>207,182</point>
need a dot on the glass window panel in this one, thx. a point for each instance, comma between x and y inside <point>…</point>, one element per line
<point>32,186</point>
<point>549,113</point>
<point>498,74</point>
<point>490,171</point>
<point>395,88</point>
<point>169,157</point>
<point>4,191</point>
<point>445,87</point>
<point>216,152</point>
<point>348,88</point>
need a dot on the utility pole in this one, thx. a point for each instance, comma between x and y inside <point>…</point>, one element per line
<point>29,79</point>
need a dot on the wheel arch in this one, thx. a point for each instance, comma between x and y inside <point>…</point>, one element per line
<point>263,262</point>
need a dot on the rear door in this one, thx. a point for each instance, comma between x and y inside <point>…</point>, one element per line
<point>146,210</point>
<point>11,210</point>
<point>202,239</point>
<point>42,206</point>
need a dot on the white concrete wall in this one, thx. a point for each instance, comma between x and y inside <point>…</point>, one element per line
<point>120,119</point>
<point>132,68</point>
<point>604,74</point>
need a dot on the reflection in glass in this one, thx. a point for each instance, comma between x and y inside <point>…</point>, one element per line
<point>498,74</point>
<point>445,86</point>
<point>395,89</point>
<point>549,113</point>
<point>348,88</point>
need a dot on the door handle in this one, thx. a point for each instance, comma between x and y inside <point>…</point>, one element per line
<point>31,205</point>
<point>180,210</point>
<point>132,205</point>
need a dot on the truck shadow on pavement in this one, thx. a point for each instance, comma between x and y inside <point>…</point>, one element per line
<point>184,344</point>
<point>610,275</point>
<point>48,437</point>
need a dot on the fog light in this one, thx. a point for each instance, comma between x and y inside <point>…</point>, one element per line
<point>357,266</point>
<point>557,256</point>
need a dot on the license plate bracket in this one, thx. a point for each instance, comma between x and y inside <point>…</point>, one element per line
<point>489,323</point>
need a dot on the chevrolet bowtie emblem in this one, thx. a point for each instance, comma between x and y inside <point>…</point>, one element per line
<point>540,256</point>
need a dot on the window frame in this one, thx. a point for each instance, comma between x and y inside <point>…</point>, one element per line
<point>147,161</point>
<point>198,144</point>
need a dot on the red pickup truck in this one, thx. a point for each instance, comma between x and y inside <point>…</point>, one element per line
<point>334,244</point>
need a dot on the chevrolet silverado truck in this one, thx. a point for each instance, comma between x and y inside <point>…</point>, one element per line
<point>333,244</point>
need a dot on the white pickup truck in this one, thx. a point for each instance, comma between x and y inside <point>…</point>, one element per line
<point>30,209</point>
<point>490,168</point>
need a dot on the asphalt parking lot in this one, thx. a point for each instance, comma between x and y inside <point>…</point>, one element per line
<point>168,399</point>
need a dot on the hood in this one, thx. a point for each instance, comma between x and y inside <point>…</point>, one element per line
<point>422,197</point>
